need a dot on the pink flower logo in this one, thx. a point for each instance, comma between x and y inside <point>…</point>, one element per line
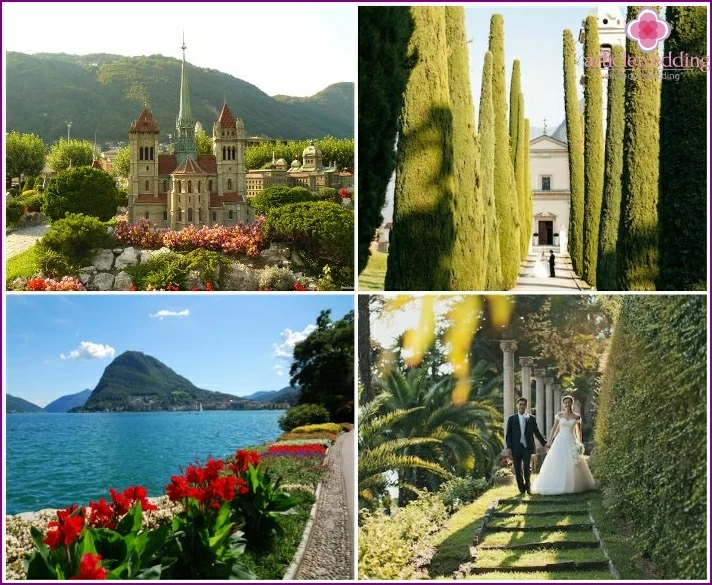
<point>648,30</point>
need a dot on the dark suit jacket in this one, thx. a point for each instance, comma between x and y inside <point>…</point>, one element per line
<point>514,434</point>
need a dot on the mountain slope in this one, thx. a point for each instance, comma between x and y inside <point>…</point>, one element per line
<point>287,394</point>
<point>106,93</point>
<point>15,404</point>
<point>136,382</point>
<point>66,403</point>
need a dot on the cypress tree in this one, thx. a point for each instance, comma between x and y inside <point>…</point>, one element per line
<point>522,180</point>
<point>504,185</point>
<point>529,217</point>
<point>493,280</point>
<point>383,36</point>
<point>423,236</point>
<point>682,208</point>
<point>593,149</point>
<point>606,271</point>
<point>515,89</point>
<point>638,236</point>
<point>574,138</point>
<point>468,262</point>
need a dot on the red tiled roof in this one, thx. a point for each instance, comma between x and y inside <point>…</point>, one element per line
<point>162,198</point>
<point>189,167</point>
<point>229,197</point>
<point>144,123</point>
<point>208,163</point>
<point>226,120</point>
<point>166,163</point>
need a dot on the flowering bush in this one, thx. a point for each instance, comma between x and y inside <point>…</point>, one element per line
<point>316,428</point>
<point>239,239</point>
<point>291,442</point>
<point>67,283</point>
<point>306,436</point>
<point>344,193</point>
<point>307,450</point>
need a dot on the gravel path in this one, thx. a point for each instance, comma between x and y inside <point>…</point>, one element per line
<point>21,239</point>
<point>330,551</point>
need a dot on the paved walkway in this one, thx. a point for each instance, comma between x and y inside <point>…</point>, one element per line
<point>564,281</point>
<point>23,238</point>
<point>329,553</point>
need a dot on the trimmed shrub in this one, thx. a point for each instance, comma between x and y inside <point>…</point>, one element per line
<point>460,491</point>
<point>122,199</point>
<point>318,428</point>
<point>275,197</point>
<point>304,414</point>
<point>329,194</point>
<point>661,492</point>
<point>74,237</point>
<point>277,278</point>
<point>81,190</point>
<point>14,210</point>
<point>322,229</point>
<point>29,184</point>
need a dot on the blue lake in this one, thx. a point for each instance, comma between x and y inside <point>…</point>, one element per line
<point>53,460</point>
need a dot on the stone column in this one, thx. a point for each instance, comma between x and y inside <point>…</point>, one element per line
<point>549,405</point>
<point>540,374</point>
<point>527,363</point>
<point>557,397</point>
<point>508,346</point>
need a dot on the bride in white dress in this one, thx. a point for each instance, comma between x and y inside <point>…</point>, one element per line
<point>564,470</point>
<point>540,269</point>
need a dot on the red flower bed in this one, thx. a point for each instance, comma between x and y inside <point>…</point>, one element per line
<point>297,450</point>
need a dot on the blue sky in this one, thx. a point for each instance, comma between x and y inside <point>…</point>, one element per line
<point>294,49</point>
<point>60,344</point>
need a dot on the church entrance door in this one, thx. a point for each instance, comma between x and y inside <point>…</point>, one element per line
<point>546,233</point>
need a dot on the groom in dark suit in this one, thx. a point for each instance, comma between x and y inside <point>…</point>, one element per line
<point>521,429</point>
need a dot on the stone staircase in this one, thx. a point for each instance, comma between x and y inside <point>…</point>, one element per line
<point>534,537</point>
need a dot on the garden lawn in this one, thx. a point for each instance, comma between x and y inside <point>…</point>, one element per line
<point>509,558</point>
<point>21,265</point>
<point>373,276</point>
<point>510,538</point>
<point>534,521</point>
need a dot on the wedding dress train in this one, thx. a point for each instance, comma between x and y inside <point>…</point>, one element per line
<point>562,472</point>
<point>540,270</point>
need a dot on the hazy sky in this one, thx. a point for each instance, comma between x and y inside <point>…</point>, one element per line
<point>59,344</point>
<point>293,49</point>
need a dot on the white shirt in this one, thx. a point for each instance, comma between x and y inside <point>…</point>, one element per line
<point>522,423</point>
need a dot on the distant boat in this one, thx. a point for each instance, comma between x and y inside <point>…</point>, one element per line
<point>201,407</point>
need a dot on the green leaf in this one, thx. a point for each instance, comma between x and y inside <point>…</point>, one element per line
<point>132,521</point>
<point>153,572</point>
<point>37,567</point>
<point>217,541</point>
<point>37,538</point>
<point>87,543</point>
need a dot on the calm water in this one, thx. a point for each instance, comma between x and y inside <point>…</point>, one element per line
<point>54,460</point>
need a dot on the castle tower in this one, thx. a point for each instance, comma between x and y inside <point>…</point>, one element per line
<point>143,164</point>
<point>185,124</point>
<point>229,150</point>
<point>311,158</point>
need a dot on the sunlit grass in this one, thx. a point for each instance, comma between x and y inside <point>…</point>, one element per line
<point>513,538</point>
<point>535,558</point>
<point>582,576</point>
<point>373,276</point>
<point>23,265</point>
<point>523,508</point>
<point>565,519</point>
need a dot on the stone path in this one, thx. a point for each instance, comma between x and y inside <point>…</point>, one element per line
<point>329,553</point>
<point>23,238</point>
<point>565,280</point>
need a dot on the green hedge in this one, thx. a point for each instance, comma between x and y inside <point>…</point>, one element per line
<point>74,237</point>
<point>322,229</point>
<point>304,414</point>
<point>651,430</point>
<point>81,190</point>
<point>279,196</point>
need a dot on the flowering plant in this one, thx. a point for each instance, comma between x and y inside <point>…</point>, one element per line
<point>67,283</point>
<point>505,462</point>
<point>307,450</point>
<point>577,451</point>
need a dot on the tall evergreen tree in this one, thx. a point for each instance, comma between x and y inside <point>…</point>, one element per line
<point>529,216</point>
<point>384,32</point>
<point>638,228</point>
<point>574,138</point>
<point>493,280</point>
<point>683,158</point>
<point>423,236</point>
<point>593,149</point>
<point>515,89</point>
<point>522,179</point>
<point>606,270</point>
<point>504,184</point>
<point>468,262</point>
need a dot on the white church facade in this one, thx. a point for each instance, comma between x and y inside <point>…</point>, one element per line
<point>549,155</point>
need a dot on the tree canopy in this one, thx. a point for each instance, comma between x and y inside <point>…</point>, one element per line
<point>74,153</point>
<point>81,190</point>
<point>122,161</point>
<point>24,154</point>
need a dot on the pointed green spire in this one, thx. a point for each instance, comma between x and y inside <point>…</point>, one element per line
<point>185,124</point>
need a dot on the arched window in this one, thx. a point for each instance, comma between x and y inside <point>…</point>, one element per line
<point>178,186</point>
<point>140,153</point>
<point>229,184</point>
<point>190,186</point>
<point>199,186</point>
<point>223,153</point>
<point>165,215</point>
<point>152,153</point>
<point>210,186</point>
<point>165,185</point>
<point>200,214</point>
<point>145,215</point>
<point>229,214</point>
<point>190,214</point>
<point>233,153</point>
<point>180,214</point>
<point>147,185</point>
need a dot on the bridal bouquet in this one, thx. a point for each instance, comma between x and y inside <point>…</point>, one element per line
<point>577,452</point>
